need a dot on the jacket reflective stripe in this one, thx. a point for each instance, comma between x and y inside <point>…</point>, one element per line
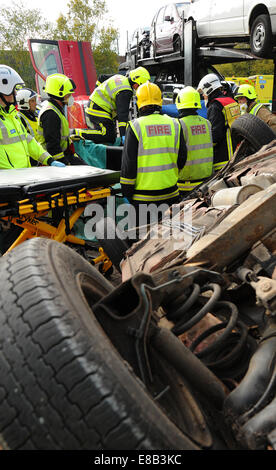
<point>256,108</point>
<point>6,139</point>
<point>149,169</point>
<point>199,161</point>
<point>150,197</point>
<point>199,147</point>
<point>220,165</point>
<point>97,113</point>
<point>127,180</point>
<point>188,185</point>
<point>122,124</point>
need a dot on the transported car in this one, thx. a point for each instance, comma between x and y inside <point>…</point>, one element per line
<point>238,20</point>
<point>167,28</point>
<point>139,45</point>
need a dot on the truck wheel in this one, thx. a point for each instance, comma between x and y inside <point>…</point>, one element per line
<point>261,40</point>
<point>252,129</point>
<point>63,385</point>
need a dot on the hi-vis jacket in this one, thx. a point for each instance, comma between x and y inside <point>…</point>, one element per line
<point>63,144</point>
<point>199,164</point>
<point>262,112</point>
<point>30,124</point>
<point>111,99</point>
<point>152,156</point>
<point>221,112</point>
<point>16,145</point>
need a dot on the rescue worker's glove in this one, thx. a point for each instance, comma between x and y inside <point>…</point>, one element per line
<point>59,164</point>
<point>123,138</point>
<point>75,135</point>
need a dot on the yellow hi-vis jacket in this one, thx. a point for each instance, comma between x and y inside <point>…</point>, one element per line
<point>30,125</point>
<point>231,111</point>
<point>64,129</point>
<point>158,145</point>
<point>199,164</point>
<point>16,145</point>
<point>105,95</point>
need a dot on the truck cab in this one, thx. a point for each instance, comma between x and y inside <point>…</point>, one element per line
<point>71,58</point>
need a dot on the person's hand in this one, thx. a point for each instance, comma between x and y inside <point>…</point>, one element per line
<point>123,138</point>
<point>75,135</point>
<point>58,164</point>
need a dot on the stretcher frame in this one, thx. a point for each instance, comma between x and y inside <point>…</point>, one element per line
<point>30,214</point>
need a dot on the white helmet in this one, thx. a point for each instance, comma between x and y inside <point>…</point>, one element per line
<point>208,84</point>
<point>9,78</point>
<point>23,97</point>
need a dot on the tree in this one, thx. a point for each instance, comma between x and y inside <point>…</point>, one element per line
<point>84,22</point>
<point>18,23</point>
<point>106,59</point>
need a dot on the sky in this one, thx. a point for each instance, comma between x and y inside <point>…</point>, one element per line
<point>127,15</point>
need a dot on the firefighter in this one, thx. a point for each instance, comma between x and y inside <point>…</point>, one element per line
<point>110,100</point>
<point>246,97</point>
<point>26,105</point>
<point>53,127</point>
<point>221,112</point>
<point>16,144</point>
<point>198,137</point>
<point>153,153</point>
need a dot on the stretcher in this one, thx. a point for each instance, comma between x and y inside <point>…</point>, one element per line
<point>47,202</point>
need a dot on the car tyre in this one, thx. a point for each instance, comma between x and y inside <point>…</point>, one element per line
<point>261,40</point>
<point>253,130</point>
<point>63,385</point>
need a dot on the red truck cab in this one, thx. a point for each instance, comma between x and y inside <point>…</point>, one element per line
<point>75,60</point>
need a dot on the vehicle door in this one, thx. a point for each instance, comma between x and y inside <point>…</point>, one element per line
<point>200,11</point>
<point>169,27</point>
<point>159,26</point>
<point>226,18</point>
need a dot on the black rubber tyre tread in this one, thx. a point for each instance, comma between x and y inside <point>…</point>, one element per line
<point>114,248</point>
<point>62,383</point>
<point>252,129</point>
<point>268,43</point>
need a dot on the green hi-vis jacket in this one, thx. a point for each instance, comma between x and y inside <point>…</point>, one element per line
<point>199,164</point>
<point>158,145</point>
<point>64,128</point>
<point>16,145</point>
<point>105,97</point>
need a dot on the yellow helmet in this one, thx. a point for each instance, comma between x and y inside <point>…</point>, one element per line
<point>148,94</point>
<point>139,75</point>
<point>59,85</point>
<point>188,98</point>
<point>248,91</point>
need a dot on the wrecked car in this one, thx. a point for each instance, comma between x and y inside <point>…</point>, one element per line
<point>179,355</point>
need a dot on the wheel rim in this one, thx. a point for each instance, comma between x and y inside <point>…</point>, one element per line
<point>259,37</point>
